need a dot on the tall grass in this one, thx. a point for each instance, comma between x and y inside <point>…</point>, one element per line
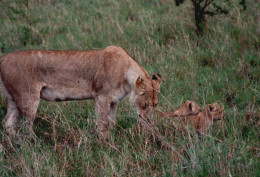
<point>222,66</point>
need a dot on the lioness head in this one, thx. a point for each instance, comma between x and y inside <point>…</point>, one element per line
<point>145,97</point>
<point>215,111</point>
<point>188,108</point>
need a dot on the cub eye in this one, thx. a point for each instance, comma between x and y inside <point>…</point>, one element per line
<point>147,104</point>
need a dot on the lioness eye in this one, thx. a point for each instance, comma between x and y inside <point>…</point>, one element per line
<point>147,104</point>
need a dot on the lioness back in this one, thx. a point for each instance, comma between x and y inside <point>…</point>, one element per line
<point>64,75</point>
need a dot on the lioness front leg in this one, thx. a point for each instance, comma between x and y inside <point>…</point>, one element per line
<point>105,110</point>
<point>112,114</point>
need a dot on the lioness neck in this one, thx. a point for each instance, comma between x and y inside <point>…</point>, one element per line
<point>134,71</point>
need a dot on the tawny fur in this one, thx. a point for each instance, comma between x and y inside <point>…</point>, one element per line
<point>106,76</point>
<point>204,119</point>
<point>188,108</point>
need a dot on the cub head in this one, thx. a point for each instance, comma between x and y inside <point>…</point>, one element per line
<point>188,108</point>
<point>215,111</point>
<point>145,95</point>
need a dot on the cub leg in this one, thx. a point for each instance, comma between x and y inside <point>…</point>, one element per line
<point>11,117</point>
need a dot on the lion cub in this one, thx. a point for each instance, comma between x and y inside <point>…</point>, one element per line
<point>204,119</point>
<point>188,108</point>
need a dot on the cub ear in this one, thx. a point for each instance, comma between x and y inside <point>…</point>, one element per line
<point>190,107</point>
<point>157,78</point>
<point>139,83</point>
<point>211,108</point>
<point>186,102</point>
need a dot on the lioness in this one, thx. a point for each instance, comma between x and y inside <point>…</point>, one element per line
<point>188,108</point>
<point>106,76</point>
<point>204,119</point>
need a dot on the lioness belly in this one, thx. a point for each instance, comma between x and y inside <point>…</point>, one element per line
<point>65,94</point>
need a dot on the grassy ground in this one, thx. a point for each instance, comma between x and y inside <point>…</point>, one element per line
<point>222,66</point>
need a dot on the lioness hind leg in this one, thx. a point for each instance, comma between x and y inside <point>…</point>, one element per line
<point>11,117</point>
<point>28,110</point>
<point>27,104</point>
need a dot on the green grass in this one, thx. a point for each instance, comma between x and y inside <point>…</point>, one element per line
<point>222,66</point>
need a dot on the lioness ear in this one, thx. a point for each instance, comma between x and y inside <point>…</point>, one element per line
<point>157,78</point>
<point>139,83</point>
